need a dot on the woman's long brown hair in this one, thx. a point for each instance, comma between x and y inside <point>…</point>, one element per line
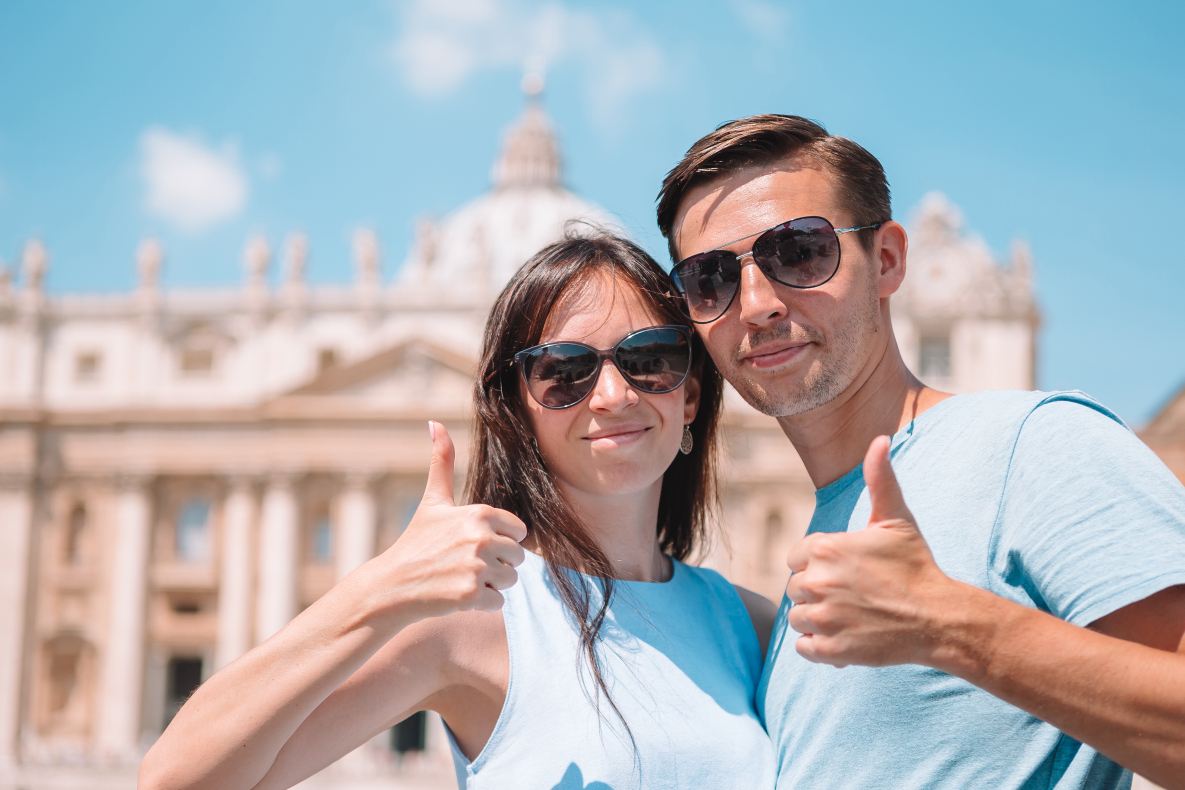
<point>506,469</point>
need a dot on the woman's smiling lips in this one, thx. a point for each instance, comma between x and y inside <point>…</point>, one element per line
<point>617,436</point>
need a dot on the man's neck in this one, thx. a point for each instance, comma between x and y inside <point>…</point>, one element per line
<point>833,439</point>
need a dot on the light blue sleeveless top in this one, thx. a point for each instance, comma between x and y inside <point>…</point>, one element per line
<point>681,660</point>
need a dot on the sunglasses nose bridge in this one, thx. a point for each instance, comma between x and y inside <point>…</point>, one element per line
<point>610,389</point>
<point>758,299</point>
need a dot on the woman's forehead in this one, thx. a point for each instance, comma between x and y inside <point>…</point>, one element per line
<point>602,306</point>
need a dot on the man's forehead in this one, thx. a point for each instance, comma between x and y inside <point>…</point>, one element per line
<point>717,212</point>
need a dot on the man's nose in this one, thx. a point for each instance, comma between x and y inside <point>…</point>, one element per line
<point>760,303</point>
<point>612,392</point>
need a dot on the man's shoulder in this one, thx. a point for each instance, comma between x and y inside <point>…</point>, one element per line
<point>1001,409</point>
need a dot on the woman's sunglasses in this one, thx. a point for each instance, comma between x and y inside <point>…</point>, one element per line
<point>800,253</point>
<point>561,374</point>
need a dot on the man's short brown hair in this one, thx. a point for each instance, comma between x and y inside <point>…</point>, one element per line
<point>761,140</point>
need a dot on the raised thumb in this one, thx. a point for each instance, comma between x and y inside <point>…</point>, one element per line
<point>887,501</point>
<point>439,489</point>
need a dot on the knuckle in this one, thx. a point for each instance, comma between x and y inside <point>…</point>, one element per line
<point>467,590</point>
<point>810,589</point>
<point>824,547</point>
<point>823,620</point>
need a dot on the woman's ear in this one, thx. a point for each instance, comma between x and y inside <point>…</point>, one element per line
<point>691,391</point>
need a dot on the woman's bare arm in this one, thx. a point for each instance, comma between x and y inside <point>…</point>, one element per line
<point>449,559</point>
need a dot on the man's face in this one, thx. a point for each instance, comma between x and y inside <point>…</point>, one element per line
<point>786,350</point>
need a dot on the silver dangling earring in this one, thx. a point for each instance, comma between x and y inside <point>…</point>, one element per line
<point>687,442</point>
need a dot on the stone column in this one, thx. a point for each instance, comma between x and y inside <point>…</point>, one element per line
<point>356,532</point>
<point>118,732</point>
<point>16,531</point>
<point>278,555</point>
<point>234,583</point>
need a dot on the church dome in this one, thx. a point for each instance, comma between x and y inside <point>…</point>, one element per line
<point>479,246</point>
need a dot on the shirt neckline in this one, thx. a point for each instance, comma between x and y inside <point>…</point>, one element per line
<point>905,433</point>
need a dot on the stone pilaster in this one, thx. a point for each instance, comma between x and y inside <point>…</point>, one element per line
<point>16,532</point>
<point>278,556</point>
<point>234,583</point>
<point>357,530</point>
<point>122,686</point>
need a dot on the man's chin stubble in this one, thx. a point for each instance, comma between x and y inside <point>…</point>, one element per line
<point>786,401</point>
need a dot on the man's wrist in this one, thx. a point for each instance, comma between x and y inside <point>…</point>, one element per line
<point>966,631</point>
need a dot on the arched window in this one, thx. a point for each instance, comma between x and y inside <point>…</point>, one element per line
<point>193,531</point>
<point>72,546</point>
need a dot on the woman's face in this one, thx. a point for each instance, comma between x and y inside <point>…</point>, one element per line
<point>617,440</point>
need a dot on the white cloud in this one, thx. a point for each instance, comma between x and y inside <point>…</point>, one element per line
<point>763,20</point>
<point>189,184</point>
<point>440,45</point>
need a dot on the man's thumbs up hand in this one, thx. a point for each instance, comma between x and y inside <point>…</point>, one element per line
<point>449,557</point>
<point>871,596</point>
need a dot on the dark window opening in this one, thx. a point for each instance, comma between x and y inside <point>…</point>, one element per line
<point>184,675</point>
<point>410,735</point>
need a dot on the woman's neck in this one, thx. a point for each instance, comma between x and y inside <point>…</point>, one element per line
<point>625,528</point>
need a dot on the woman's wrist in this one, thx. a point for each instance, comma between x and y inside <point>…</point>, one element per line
<point>377,599</point>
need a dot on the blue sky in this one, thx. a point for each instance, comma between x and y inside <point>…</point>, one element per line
<point>1060,123</point>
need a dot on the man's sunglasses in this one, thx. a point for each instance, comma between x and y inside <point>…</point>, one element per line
<point>561,374</point>
<point>800,253</point>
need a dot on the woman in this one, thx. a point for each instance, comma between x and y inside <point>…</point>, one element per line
<point>602,658</point>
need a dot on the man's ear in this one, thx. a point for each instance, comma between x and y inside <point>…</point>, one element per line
<point>691,391</point>
<point>892,245</point>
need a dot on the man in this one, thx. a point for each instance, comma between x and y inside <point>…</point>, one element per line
<point>1022,622</point>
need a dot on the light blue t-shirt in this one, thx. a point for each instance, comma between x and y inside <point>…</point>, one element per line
<point>681,660</point>
<point>1045,499</point>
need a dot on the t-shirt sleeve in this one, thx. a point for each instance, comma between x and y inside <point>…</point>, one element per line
<point>1090,519</point>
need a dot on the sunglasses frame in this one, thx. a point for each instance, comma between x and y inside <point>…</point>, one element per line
<point>677,280</point>
<point>605,355</point>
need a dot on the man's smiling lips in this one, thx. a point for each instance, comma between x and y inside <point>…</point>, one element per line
<point>773,354</point>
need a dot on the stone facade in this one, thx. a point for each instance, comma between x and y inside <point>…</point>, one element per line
<point>183,471</point>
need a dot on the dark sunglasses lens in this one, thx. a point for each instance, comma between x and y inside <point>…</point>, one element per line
<point>560,374</point>
<point>708,281</point>
<point>655,360</point>
<point>802,252</point>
